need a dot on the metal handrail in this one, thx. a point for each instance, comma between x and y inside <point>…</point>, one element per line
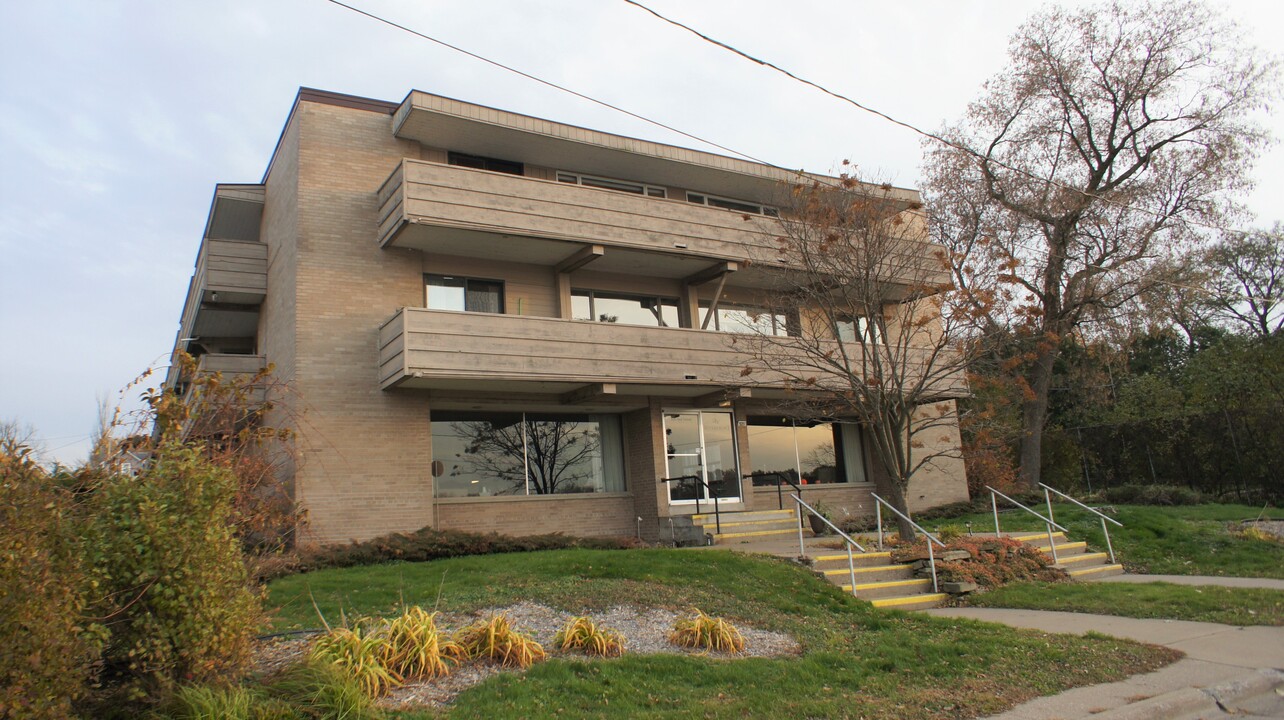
<point>931,556</point>
<point>1104,530</point>
<point>780,501</point>
<point>717,515</point>
<point>1048,523</point>
<point>802,549</point>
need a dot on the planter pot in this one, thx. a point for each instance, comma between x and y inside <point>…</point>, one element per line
<point>818,526</point>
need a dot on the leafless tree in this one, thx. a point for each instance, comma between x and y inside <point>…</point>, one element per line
<point>551,455</point>
<point>873,336</point>
<point>1111,131</point>
<point>1248,280</point>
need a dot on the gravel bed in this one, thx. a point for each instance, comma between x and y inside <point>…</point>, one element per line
<point>1274,527</point>
<point>645,632</point>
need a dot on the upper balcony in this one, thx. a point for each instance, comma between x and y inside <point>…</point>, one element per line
<point>460,211</point>
<point>228,285</point>
<point>440,349</point>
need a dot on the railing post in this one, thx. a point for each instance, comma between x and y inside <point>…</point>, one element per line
<point>994,504</point>
<point>717,513</point>
<point>878,509</point>
<point>851,567</point>
<point>1052,544</point>
<point>1047,498</point>
<point>931,561</point>
<point>780,497</point>
<point>1110,548</point>
<point>802,549</point>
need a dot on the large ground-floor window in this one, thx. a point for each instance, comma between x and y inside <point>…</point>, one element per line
<point>492,454</point>
<point>807,453</point>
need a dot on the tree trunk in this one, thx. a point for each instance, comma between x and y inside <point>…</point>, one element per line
<point>893,492</point>
<point>1034,415</point>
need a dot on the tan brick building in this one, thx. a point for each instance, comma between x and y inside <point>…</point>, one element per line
<point>494,322</point>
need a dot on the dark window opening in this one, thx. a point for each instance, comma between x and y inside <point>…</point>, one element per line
<point>485,163</point>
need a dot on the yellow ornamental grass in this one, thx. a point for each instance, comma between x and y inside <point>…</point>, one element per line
<point>708,633</point>
<point>582,634</point>
<point>414,647</point>
<point>496,640</point>
<point>359,654</point>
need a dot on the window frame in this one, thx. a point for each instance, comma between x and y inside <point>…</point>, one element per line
<point>732,204</point>
<point>616,295</point>
<point>467,279</point>
<point>598,182</point>
<point>482,162</point>
<point>790,318</point>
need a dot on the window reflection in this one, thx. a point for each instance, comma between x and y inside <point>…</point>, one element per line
<point>805,453</point>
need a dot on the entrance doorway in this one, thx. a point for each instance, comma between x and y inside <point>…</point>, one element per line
<point>701,444</point>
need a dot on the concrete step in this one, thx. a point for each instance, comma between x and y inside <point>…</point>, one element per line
<point>737,524</point>
<point>911,602</point>
<point>720,537</point>
<point>873,573</point>
<point>1064,549</point>
<point>830,561</point>
<point>1083,560</point>
<point>889,588</point>
<point>1038,539</point>
<point>742,515</point>
<point>1095,572</point>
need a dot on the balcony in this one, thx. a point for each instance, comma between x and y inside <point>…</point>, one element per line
<point>474,213</point>
<point>232,368</point>
<point>460,211</point>
<point>438,349</point>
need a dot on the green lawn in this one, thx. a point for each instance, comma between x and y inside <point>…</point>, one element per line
<point>1187,540</point>
<point>856,662</point>
<point>1206,603</point>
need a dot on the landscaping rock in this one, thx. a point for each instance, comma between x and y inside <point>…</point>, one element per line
<point>958,588</point>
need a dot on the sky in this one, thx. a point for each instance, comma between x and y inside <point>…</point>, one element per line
<point>118,118</point>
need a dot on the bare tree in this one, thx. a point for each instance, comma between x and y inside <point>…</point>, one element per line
<point>1112,130</point>
<point>872,334</point>
<point>1248,280</point>
<point>546,456</point>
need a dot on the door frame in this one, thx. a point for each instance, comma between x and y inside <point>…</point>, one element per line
<point>702,454</point>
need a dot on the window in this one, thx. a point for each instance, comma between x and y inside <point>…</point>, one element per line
<point>609,184</point>
<point>746,319</point>
<point>624,309</point>
<point>498,454</point>
<point>806,453</point>
<point>861,329</point>
<point>446,292</point>
<point>485,163</point>
<point>730,204</point>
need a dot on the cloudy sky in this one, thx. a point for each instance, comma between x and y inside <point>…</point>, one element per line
<point>117,119</point>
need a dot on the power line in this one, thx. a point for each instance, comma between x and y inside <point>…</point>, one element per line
<point>913,128</point>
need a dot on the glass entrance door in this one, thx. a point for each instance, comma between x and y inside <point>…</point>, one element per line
<point>702,445</point>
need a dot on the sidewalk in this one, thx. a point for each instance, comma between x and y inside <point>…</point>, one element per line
<point>1236,582</point>
<point>1231,665</point>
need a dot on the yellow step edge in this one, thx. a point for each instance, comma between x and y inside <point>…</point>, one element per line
<point>1065,546</point>
<point>755,533</point>
<point>1093,570</point>
<point>1081,558</point>
<point>858,555</point>
<point>892,584</point>
<point>1033,535</point>
<point>867,569</point>
<point>755,514</point>
<point>908,600</point>
<point>792,526</point>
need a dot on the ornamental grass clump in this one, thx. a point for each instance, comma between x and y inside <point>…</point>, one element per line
<point>706,633</point>
<point>497,641</point>
<point>582,634</point>
<point>358,652</point>
<point>414,647</point>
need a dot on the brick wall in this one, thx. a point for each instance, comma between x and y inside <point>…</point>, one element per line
<point>580,515</point>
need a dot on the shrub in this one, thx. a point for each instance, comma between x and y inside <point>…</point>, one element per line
<point>497,641</point>
<point>429,544</point>
<point>177,602</point>
<point>46,652</point>
<point>415,647</point>
<point>202,702</point>
<point>993,562</point>
<point>323,692</point>
<point>581,633</point>
<point>698,630</point>
<point>358,652</point>
<point>1163,495</point>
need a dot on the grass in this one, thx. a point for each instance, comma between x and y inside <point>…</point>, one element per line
<point>855,661</point>
<point>1205,603</point>
<point>1184,540</point>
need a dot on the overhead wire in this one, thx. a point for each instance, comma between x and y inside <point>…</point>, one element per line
<point>733,151</point>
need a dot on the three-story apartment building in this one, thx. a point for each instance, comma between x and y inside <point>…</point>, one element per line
<point>493,322</point>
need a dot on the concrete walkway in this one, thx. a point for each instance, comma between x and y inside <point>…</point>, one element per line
<point>1236,667</point>
<point>1235,582</point>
